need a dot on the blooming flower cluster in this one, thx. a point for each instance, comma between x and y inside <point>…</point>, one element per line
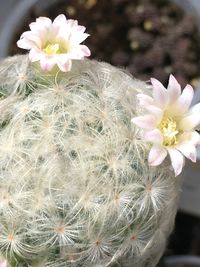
<point>170,124</point>
<point>55,43</point>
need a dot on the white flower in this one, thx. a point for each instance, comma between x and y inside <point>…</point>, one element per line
<point>170,125</point>
<point>55,43</point>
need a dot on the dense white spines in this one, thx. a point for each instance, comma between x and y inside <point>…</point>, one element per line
<point>75,186</point>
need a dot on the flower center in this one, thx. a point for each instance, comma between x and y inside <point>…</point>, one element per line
<point>169,129</point>
<point>51,49</point>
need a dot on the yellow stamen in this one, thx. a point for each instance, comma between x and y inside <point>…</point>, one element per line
<point>168,128</point>
<point>51,49</point>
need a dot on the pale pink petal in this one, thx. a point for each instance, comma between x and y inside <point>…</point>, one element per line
<point>25,44</point>
<point>156,155</point>
<point>156,111</point>
<point>64,65</point>
<point>72,23</point>
<point>191,137</point>
<point>47,63</point>
<point>80,28</point>
<point>60,28</point>
<point>154,136</point>
<point>60,19</point>
<point>188,150</point>
<point>3,263</point>
<point>85,50</point>
<point>79,52</point>
<point>33,38</point>
<point>145,100</point>
<point>195,138</point>
<point>35,55</point>
<point>195,108</point>
<point>35,27</point>
<point>44,21</point>
<point>159,93</point>
<point>78,38</point>
<point>42,24</point>
<point>39,27</point>
<point>38,30</point>
<point>174,89</point>
<point>146,122</point>
<point>184,101</point>
<point>177,160</point>
<point>190,122</point>
<point>63,36</point>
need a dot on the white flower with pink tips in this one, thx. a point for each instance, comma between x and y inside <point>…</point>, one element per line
<point>3,263</point>
<point>170,124</point>
<point>55,43</point>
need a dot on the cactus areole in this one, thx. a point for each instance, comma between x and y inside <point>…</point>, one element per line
<point>76,185</point>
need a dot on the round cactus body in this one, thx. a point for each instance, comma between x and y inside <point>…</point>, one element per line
<point>75,186</point>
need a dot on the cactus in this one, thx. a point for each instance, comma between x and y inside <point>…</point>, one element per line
<point>75,186</point>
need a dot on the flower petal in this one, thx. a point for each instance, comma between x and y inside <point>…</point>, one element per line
<point>35,55</point>
<point>60,19</point>
<point>190,122</point>
<point>156,111</point>
<point>79,52</point>
<point>195,108</point>
<point>47,63</point>
<point>33,38</point>
<point>174,89</point>
<point>156,155</point>
<point>72,23</point>
<point>85,50</point>
<point>38,30</point>
<point>188,150</point>
<point>177,160</point>
<point>146,122</point>
<point>191,137</point>
<point>44,21</point>
<point>144,100</point>
<point>184,101</point>
<point>24,44</point>
<point>78,38</point>
<point>3,263</point>
<point>80,28</point>
<point>159,93</point>
<point>154,136</point>
<point>195,138</point>
<point>64,64</point>
<point>42,25</point>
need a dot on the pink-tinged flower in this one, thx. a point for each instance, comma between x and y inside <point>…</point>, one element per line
<point>3,263</point>
<point>55,43</point>
<point>170,124</point>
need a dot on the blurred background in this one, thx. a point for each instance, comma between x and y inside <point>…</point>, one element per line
<point>149,38</point>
